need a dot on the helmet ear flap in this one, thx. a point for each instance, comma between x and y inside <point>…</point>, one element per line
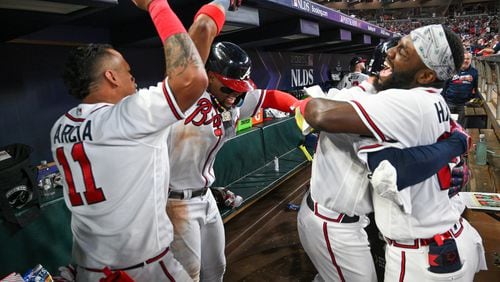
<point>239,100</point>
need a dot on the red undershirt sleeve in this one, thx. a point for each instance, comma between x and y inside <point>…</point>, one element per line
<point>279,100</point>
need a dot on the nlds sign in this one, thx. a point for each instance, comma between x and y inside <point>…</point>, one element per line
<point>302,77</point>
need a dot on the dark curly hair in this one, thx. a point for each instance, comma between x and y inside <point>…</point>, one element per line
<point>456,47</point>
<point>82,67</point>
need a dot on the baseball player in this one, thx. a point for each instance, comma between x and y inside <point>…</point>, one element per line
<point>112,153</point>
<point>356,76</point>
<point>407,110</point>
<point>194,142</point>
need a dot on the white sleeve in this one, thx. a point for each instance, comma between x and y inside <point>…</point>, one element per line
<point>252,103</point>
<point>142,114</point>
<point>401,115</point>
<point>369,145</point>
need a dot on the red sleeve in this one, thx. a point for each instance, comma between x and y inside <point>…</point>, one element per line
<point>279,100</point>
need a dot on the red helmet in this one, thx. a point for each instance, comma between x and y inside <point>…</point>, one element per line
<point>231,65</point>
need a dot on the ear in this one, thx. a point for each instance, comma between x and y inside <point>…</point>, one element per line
<point>426,76</point>
<point>211,76</point>
<point>111,77</point>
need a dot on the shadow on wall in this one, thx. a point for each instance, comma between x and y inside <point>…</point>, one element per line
<point>33,95</point>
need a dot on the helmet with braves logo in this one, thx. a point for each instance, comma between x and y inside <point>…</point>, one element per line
<point>231,65</point>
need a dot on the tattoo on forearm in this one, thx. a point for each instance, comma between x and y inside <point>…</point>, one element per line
<point>180,54</point>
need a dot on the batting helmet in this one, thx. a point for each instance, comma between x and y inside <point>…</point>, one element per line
<point>379,54</point>
<point>231,65</point>
<point>356,60</point>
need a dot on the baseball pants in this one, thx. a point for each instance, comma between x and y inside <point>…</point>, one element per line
<point>165,269</point>
<point>199,239</point>
<point>339,251</point>
<point>411,264</point>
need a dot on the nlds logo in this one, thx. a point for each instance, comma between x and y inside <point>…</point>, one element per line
<point>302,77</point>
<point>302,4</point>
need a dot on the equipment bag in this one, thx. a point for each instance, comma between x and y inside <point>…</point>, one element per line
<point>19,195</point>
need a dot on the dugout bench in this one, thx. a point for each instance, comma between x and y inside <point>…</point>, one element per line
<point>486,178</point>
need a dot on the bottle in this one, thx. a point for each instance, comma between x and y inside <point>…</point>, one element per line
<point>276,164</point>
<point>481,152</point>
<point>45,180</point>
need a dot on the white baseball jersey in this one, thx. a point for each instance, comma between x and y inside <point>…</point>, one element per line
<point>115,162</point>
<point>352,79</point>
<point>413,117</point>
<point>195,141</point>
<point>339,179</point>
<point>199,240</point>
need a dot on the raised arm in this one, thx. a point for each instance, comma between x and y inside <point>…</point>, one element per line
<point>279,100</point>
<point>185,70</point>
<point>207,24</point>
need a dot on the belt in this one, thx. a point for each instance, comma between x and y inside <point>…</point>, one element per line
<point>141,264</point>
<point>187,194</point>
<point>438,238</point>
<point>342,217</point>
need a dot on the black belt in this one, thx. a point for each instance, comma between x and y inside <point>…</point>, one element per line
<point>141,264</point>
<point>345,217</point>
<point>181,195</point>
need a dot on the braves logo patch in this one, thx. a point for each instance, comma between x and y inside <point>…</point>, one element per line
<point>200,116</point>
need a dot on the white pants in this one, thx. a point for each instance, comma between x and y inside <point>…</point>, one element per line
<point>165,269</point>
<point>199,239</point>
<point>405,264</point>
<point>339,251</point>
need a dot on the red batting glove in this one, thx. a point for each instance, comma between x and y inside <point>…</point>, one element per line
<point>460,176</point>
<point>455,127</point>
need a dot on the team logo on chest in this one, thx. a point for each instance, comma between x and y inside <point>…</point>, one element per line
<point>203,114</point>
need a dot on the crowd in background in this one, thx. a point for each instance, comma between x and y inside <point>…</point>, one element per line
<point>477,26</point>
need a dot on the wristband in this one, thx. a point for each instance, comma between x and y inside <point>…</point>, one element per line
<point>214,13</point>
<point>165,20</point>
<point>302,104</point>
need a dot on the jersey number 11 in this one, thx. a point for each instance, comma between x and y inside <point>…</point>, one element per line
<point>92,193</point>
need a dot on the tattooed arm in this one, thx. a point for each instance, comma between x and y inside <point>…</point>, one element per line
<point>184,68</point>
<point>185,71</point>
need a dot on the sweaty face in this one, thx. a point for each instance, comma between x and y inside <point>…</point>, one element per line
<point>401,66</point>
<point>224,95</point>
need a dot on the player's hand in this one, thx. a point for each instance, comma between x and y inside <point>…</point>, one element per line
<point>300,107</point>
<point>234,5</point>
<point>460,176</point>
<point>231,5</point>
<point>456,128</point>
<point>143,4</point>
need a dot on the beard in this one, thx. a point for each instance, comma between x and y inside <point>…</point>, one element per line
<point>398,79</point>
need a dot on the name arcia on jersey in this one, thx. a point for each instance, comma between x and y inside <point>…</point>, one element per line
<point>200,116</point>
<point>73,133</point>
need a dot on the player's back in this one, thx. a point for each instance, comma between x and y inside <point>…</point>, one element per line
<point>116,176</point>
